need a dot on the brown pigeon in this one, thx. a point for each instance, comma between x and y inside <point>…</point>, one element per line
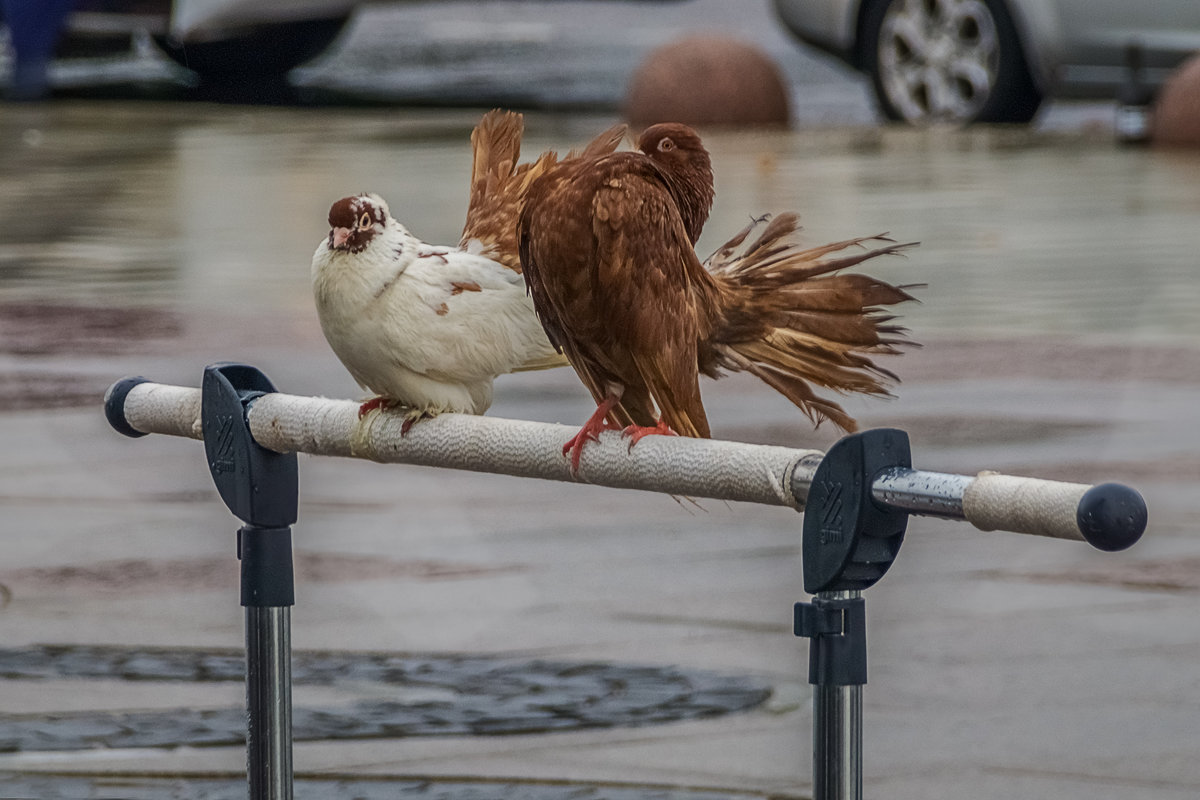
<point>607,249</point>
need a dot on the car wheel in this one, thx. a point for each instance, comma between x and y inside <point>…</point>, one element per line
<point>956,61</point>
<point>267,52</point>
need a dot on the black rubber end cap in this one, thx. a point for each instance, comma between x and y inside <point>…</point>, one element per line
<point>1111,516</point>
<point>114,406</point>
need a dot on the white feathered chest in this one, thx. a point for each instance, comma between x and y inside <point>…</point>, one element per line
<point>427,326</point>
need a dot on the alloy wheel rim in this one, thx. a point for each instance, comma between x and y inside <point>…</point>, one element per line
<point>938,59</point>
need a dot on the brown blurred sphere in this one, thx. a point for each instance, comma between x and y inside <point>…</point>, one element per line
<point>1177,110</point>
<point>707,80</point>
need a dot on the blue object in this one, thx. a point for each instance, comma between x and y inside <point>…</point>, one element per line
<point>34,27</point>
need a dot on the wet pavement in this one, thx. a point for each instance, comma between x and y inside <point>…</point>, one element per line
<point>1061,324</point>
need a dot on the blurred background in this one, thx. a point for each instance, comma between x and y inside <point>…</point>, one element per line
<point>923,60</point>
<point>166,171</point>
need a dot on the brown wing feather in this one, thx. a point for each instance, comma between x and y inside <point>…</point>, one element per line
<point>499,184</point>
<point>546,222</point>
<point>618,287</point>
<point>657,295</point>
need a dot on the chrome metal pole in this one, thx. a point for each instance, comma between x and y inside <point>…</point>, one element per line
<point>269,702</point>
<point>932,494</point>
<point>837,742</point>
<point>268,593</point>
<point>837,733</point>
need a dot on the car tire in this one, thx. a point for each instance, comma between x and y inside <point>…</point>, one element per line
<point>264,53</point>
<point>954,61</point>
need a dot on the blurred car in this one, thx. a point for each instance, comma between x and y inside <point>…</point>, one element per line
<point>967,61</point>
<point>222,40</point>
<point>219,39</point>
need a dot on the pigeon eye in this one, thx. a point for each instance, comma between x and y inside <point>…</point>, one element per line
<point>666,145</point>
<point>364,221</point>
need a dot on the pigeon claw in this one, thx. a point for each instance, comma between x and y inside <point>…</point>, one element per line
<point>413,416</point>
<point>380,403</point>
<point>590,431</point>
<point>638,432</point>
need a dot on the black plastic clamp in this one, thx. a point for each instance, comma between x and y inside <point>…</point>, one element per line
<point>850,540</point>
<point>849,543</point>
<point>267,575</point>
<point>837,627</point>
<point>258,485</point>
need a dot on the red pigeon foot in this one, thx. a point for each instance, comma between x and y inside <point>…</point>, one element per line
<point>590,431</point>
<point>372,404</point>
<point>413,416</point>
<point>638,432</point>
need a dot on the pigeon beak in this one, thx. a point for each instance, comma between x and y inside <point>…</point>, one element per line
<point>339,236</point>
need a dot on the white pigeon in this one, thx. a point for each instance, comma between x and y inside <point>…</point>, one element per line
<point>429,327</point>
<point>424,326</point>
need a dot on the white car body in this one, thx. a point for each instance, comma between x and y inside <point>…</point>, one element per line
<point>201,19</point>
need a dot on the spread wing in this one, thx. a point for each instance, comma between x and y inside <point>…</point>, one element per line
<point>499,185</point>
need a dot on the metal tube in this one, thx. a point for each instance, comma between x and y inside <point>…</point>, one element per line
<point>837,742</point>
<point>269,702</point>
<point>933,494</point>
<point>837,734</point>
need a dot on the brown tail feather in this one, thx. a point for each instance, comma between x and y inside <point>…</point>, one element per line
<point>496,141</point>
<point>495,197</point>
<point>795,389</point>
<point>792,320</point>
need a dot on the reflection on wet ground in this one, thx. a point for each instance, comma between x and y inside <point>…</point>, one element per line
<point>205,208</point>
<point>45,328</point>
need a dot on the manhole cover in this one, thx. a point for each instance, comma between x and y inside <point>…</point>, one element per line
<point>434,696</point>
<point>137,788</point>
